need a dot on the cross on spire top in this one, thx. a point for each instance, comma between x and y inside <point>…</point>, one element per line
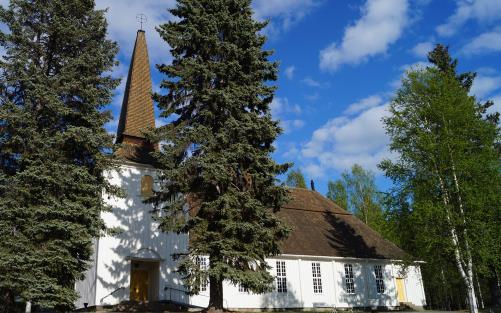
<point>141,18</point>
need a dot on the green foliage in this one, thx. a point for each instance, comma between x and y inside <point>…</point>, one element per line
<point>52,140</point>
<point>295,178</point>
<point>447,175</point>
<point>441,58</point>
<point>218,146</point>
<point>356,191</point>
<point>336,191</point>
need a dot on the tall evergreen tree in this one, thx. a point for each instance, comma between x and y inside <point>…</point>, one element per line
<point>441,58</point>
<point>448,169</point>
<point>295,178</point>
<point>217,149</point>
<point>53,89</point>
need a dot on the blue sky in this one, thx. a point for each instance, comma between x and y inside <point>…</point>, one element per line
<point>341,62</point>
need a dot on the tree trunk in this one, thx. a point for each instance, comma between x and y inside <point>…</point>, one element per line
<point>465,267</point>
<point>494,287</point>
<point>472,299</point>
<point>479,290</point>
<point>7,301</point>
<point>27,308</point>
<point>216,295</point>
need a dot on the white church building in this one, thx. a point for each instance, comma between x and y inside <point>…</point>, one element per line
<point>331,258</point>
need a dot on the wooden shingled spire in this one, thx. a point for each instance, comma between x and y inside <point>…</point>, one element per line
<point>137,113</point>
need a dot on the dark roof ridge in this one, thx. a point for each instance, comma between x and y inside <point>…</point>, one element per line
<point>314,211</point>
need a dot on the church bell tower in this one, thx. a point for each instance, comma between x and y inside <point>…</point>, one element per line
<point>137,114</point>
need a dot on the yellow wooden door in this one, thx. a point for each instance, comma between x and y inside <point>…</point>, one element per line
<point>139,285</point>
<point>401,290</point>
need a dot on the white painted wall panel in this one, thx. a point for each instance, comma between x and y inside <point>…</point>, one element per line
<point>86,288</point>
<point>389,297</point>
<point>345,299</point>
<point>414,286</point>
<point>139,238</point>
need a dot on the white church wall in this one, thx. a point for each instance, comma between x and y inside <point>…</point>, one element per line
<point>300,291</point>
<point>325,296</point>
<point>345,297</point>
<point>290,299</point>
<point>388,298</point>
<point>413,283</point>
<point>86,288</point>
<point>414,286</point>
<point>138,239</point>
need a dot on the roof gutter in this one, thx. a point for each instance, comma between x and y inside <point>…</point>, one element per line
<point>339,258</point>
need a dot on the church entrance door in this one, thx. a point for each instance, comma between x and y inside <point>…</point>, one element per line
<point>144,278</point>
<point>401,290</point>
<point>139,281</point>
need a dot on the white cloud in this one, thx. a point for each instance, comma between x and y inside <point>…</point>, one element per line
<point>364,104</point>
<point>283,13</point>
<point>292,151</point>
<point>381,25</point>
<point>421,49</point>
<point>486,42</point>
<point>497,104</point>
<point>311,82</point>
<point>291,125</point>
<point>313,171</point>
<point>287,114</point>
<point>312,97</point>
<point>280,106</point>
<point>414,66</point>
<point>483,11</point>
<point>484,85</point>
<point>344,141</point>
<point>289,72</point>
<point>123,25</point>
<point>397,83</point>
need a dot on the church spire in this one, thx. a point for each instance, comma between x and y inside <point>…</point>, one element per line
<point>137,107</point>
<point>137,113</point>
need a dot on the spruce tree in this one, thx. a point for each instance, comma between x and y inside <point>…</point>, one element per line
<point>54,85</point>
<point>216,152</point>
<point>441,58</point>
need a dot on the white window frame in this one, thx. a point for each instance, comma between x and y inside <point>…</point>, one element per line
<point>202,262</point>
<point>317,277</point>
<point>349,279</point>
<point>379,276</point>
<point>281,277</point>
<point>242,289</point>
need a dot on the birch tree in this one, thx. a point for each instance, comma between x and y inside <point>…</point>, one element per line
<point>295,178</point>
<point>356,192</point>
<point>448,164</point>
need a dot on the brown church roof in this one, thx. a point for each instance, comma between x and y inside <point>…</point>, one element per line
<point>322,228</point>
<point>137,113</point>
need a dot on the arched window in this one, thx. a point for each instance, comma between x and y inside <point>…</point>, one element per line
<point>146,186</point>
